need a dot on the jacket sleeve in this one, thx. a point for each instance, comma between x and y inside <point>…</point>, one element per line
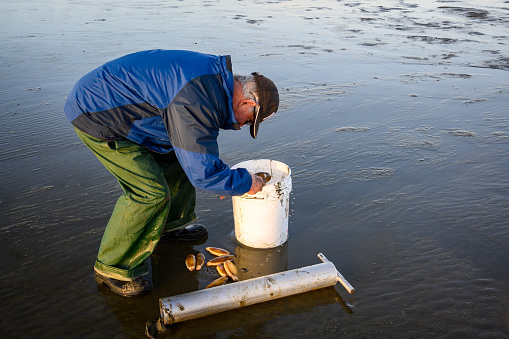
<point>193,120</point>
<point>208,173</point>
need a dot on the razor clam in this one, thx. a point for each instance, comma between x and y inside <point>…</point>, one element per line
<point>222,272</point>
<point>200,261</point>
<point>219,260</point>
<point>231,270</point>
<point>231,266</point>
<point>217,282</point>
<point>191,262</point>
<point>217,251</point>
<point>264,175</point>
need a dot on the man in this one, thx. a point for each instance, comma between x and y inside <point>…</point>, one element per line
<point>152,118</point>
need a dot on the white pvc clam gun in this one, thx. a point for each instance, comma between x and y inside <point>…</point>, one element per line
<point>261,219</point>
<point>218,299</point>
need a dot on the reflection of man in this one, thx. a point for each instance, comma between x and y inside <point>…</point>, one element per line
<point>152,118</point>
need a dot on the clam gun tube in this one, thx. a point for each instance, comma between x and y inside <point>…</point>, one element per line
<point>214,300</point>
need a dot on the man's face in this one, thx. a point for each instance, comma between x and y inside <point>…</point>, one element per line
<point>245,112</point>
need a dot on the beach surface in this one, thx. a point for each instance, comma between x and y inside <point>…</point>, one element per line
<point>394,119</point>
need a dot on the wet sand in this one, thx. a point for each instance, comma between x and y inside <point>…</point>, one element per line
<point>393,118</point>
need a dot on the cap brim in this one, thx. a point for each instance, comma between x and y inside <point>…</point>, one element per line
<point>268,101</point>
<point>254,127</point>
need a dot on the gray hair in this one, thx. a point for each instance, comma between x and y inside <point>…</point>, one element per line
<point>249,88</point>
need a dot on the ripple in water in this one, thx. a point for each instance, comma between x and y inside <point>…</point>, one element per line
<point>461,133</point>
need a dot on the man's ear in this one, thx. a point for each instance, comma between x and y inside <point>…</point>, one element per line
<point>247,102</point>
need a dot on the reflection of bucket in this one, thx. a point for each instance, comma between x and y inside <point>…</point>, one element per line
<point>259,262</point>
<point>261,220</point>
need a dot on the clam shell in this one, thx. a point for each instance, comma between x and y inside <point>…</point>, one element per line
<point>231,267</point>
<point>219,260</point>
<point>264,175</point>
<point>222,272</point>
<point>191,262</point>
<point>200,261</point>
<point>231,270</point>
<point>217,251</point>
<point>217,282</point>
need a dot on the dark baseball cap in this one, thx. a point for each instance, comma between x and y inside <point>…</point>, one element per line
<point>268,101</point>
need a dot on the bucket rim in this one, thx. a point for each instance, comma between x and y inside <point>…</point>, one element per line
<point>269,190</point>
<point>239,165</point>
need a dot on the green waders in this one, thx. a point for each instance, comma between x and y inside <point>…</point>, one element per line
<point>157,196</point>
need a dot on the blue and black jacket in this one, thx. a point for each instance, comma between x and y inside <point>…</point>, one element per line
<point>167,101</point>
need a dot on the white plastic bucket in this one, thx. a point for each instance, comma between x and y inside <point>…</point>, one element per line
<point>261,219</point>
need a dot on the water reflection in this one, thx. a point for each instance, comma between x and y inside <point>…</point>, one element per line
<point>170,275</point>
<point>257,262</point>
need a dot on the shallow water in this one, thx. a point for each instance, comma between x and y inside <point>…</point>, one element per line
<point>394,120</point>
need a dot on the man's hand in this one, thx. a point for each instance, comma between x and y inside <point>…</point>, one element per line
<point>257,184</point>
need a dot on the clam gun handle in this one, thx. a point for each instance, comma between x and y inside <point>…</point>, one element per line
<point>341,279</point>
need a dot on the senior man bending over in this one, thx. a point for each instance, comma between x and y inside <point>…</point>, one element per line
<point>152,118</point>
